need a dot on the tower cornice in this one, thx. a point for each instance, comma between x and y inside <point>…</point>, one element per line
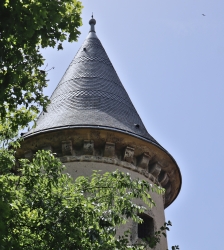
<point>113,147</point>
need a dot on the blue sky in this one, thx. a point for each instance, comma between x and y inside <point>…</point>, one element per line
<point>170,60</point>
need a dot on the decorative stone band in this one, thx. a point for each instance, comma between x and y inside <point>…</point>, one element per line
<point>76,145</point>
<point>114,161</point>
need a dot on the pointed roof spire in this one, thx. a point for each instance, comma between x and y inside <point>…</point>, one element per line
<point>90,94</point>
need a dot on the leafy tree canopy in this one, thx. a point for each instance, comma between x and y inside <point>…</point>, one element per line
<point>25,27</point>
<point>42,208</point>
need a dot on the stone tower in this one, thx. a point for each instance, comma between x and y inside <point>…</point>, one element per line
<point>92,124</point>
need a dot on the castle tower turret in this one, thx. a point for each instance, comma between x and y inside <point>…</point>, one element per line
<point>92,124</point>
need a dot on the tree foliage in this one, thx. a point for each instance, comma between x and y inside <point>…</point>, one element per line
<point>43,208</point>
<point>25,27</point>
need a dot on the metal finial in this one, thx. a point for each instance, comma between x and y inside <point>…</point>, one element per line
<point>92,23</point>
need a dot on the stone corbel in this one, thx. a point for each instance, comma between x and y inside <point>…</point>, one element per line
<point>164,179</point>
<point>144,161</point>
<point>29,155</point>
<point>155,169</point>
<point>67,147</point>
<point>109,150</point>
<point>88,147</point>
<point>129,154</point>
<point>47,148</point>
<point>168,188</point>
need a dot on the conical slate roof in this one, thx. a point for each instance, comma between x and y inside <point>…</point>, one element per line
<point>90,94</point>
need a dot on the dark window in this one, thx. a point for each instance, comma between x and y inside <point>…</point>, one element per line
<point>146,228</point>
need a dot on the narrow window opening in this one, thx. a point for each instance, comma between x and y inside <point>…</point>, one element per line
<point>146,228</point>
